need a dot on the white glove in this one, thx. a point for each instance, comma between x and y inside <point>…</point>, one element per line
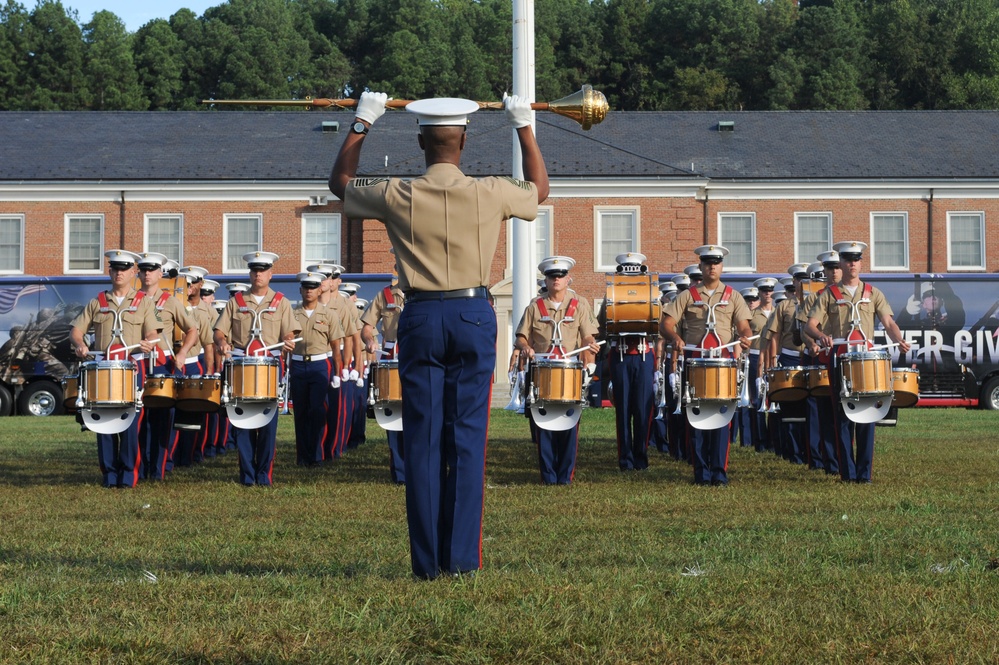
<point>335,381</point>
<point>371,106</point>
<point>360,382</point>
<point>674,381</point>
<point>518,110</point>
<point>591,369</point>
<point>913,305</point>
<point>353,375</point>
<point>345,374</point>
<point>367,370</point>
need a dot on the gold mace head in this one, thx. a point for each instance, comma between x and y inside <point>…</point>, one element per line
<point>588,107</point>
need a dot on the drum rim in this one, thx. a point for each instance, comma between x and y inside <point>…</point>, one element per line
<point>864,355</point>
<point>564,363</point>
<point>107,364</point>
<point>721,362</point>
<point>254,360</point>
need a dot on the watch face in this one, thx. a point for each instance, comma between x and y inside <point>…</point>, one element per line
<point>360,128</point>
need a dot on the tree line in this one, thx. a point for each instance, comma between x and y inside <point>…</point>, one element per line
<point>643,54</point>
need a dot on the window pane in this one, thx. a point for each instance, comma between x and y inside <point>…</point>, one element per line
<point>10,244</point>
<point>737,237</point>
<point>163,233</point>
<point>542,231</point>
<point>889,241</point>
<point>617,236</point>
<point>814,236</point>
<point>322,238</point>
<point>86,247</point>
<point>966,242</point>
<point>244,236</point>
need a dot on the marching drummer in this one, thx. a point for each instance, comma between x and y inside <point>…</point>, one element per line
<point>382,316</point>
<point>212,437</point>
<point>632,363</point>
<point>339,407</point>
<point>155,433</point>
<point>710,312</point>
<point>315,359</point>
<point>557,324</point>
<point>259,318</point>
<point>120,316</point>
<point>357,388</point>
<point>821,423</point>
<point>663,354</point>
<point>851,307</point>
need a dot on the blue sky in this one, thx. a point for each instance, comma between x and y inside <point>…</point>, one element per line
<point>135,13</point>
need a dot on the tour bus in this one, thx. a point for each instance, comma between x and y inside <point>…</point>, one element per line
<point>35,318</point>
<point>951,321</point>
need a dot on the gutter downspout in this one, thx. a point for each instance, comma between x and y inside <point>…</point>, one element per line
<point>929,233</point>
<point>121,220</point>
<point>704,222</point>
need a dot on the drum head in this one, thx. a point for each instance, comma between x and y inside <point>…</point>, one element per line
<point>556,416</point>
<point>108,421</point>
<point>389,416</point>
<point>251,415</point>
<point>711,415</point>
<point>867,409</point>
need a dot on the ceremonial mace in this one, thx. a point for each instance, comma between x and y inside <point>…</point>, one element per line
<point>588,107</point>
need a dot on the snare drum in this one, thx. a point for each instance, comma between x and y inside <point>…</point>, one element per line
<point>866,373</point>
<point>158,392</point>
<point>631,303</point>
<point>70,392</point>
<point>108,383</point>
<point>253,378</point>
<point>712,378</point>
<point>787,384</point>
<point>818,381</point>
<point>385,384</point>
<point>199,394</point>
<point>905,383</point>
<point>557,380</point>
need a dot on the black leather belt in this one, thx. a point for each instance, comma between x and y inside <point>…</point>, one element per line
<point>474,292</point>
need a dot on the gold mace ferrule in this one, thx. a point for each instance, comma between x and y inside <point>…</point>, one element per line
<point>587,107</point>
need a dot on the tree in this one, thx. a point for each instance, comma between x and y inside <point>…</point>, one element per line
<point>55,77</point>
<point>114,84</point>
<point>159,64</point>
<point>13,55</point>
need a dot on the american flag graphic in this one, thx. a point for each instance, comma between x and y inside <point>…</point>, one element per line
<point>10,295</point>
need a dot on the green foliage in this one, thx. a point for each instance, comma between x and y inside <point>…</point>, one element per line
<point>643,54</point>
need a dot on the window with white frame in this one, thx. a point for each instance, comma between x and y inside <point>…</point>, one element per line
<point>542,235</point>
<point>813,235</point>
<point>889,240</point>
<point>617,232</point>
<point>737,233</point>
<point>165,234</point>
<point>320,238</point>
<point>966,241</point>
<point>243,233</point>
<point>11,244</point>
<point>84,244</point>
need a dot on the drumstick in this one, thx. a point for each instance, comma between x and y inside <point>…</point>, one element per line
<point>135,346</point>
<point>719,348</point>
<point>581,350</point>
<point>274,346</point>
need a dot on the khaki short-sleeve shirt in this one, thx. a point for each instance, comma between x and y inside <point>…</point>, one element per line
<point>135,325</point>
<point>782,326</point>
<point>695,317</point>
<point>321,332</point>
<point>757,322</point>
<point>444,225</point>
<point>539,333</point>
<point>173,315</point>
<point>345,312</point>
<point>835,319</point>
<point>237,326</point>
<point>379,311</point>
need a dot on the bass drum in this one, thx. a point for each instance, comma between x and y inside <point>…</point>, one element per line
<point>631,305</point>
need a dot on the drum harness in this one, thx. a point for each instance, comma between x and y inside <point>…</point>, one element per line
<point>716,348</point>
<point>390,349</point>
<point>556,351</point>
<point>256,335</point>
<point>117,332</point>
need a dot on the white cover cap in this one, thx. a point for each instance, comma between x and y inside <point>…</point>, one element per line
<point>443,111</point>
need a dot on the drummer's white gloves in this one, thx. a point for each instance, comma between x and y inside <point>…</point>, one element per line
<point>518,110</point>
<point>913,305</point>
<point>761,385</point>
<point>367,369</point>
<point>335,381</point>
<point>674,381</point>
<point>353,375</point>
<point>345,374</point>
<point>371,106</point>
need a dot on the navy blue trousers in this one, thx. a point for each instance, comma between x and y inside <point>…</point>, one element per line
<point>854,465</point>
<point>309,384</point>
<point>556,453</point>
<point>634,406</point>
<point>446,358</point>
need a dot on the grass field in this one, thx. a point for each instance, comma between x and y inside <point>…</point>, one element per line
<point>782,566</point>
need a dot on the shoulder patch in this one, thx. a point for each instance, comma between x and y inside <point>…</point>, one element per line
<point>368,182</point>
<point>523,184</point>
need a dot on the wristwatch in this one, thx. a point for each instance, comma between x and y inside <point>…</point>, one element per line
<point>359,128</point>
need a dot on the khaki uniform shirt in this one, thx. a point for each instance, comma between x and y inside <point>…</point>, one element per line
<point>237,326</point>
<point>835,320</point>
<point>135,325</point>
<point>173,315</point>
<point>444,225</point>
<point>344,311</point>
<point>321,332</point>
<point>539,333</point>
<point>695,317</point>
<point>379,311</point>
<point>205,316</point>
<point>782,326</point>
<point>757,323</point>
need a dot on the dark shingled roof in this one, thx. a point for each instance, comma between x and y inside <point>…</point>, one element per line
<point>275,146</point>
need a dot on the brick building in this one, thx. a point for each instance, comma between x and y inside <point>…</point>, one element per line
<point>774,187</point>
